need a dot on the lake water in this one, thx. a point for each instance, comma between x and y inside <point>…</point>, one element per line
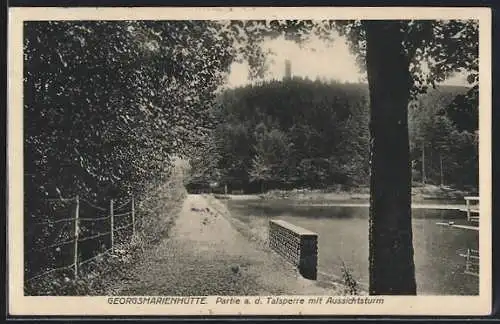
<point>343,236</point>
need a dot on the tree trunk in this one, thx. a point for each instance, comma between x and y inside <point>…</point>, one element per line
<point>392,270</point>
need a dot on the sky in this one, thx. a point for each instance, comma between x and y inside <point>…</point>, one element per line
<point>315,60</point>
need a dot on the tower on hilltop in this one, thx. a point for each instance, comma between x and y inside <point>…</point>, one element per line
<point>288,69</point>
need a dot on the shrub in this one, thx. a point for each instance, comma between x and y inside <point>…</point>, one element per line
<point>351,286</point>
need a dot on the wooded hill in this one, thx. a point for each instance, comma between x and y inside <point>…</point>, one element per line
<point>301,133</point>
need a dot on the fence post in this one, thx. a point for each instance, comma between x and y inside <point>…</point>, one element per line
<point>77,230</point>
<point>112,224</point>
<point>467,263</point>
<point>133,217</point>
<point>467,203</point>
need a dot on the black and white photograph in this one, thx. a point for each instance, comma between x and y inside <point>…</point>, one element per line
<point>239,160</point>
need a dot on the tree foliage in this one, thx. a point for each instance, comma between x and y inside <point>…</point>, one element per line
<point>443,123</point>
<point>293,132</point>
<point>324,127</point>
<point>107,104</point>
<point>435,49</point>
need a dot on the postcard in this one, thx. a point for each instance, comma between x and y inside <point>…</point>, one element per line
<point>249,161</point>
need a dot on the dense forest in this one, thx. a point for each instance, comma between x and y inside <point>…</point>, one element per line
<point>299,133</point>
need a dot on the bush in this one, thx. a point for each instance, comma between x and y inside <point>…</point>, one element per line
<point>158,211</point>
<point>351,286</point>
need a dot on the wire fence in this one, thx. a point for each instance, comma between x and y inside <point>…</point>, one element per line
<point>79,232</point>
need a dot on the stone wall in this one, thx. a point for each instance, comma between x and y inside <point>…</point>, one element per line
<point>297,245</point>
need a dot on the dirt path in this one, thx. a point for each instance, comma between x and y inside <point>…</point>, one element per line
<point>206,255</point>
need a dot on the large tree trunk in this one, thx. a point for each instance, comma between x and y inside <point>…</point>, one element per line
<point>392,270</point>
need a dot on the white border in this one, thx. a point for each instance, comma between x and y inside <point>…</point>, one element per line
<point>419,305</point>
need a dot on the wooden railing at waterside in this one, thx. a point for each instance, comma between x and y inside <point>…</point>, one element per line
<point>472,208</point>
<point>471,262</point>
<point>113,214</point>
<point>472,255</point>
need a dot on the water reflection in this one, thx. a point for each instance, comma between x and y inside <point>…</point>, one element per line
<point>343,236</point>
<point>277,208</point>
